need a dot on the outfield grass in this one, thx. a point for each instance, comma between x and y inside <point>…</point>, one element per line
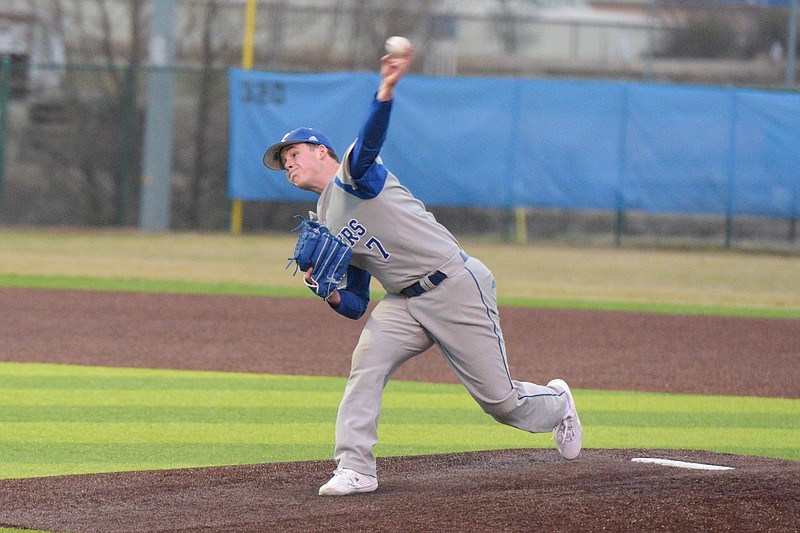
<point>65,419</point>
<point>546,276</point>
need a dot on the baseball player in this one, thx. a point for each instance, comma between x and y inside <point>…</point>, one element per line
<point>436,294</point>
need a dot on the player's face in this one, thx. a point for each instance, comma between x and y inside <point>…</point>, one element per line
<point>302,164</point>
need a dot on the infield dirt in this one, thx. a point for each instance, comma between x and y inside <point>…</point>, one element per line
<point>508,490</point>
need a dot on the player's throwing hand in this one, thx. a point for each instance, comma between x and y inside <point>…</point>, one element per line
<point>392,69</point>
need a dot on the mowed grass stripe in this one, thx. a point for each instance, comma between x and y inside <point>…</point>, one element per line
<point>699,281</point>
<point>214,414</point>
<point>86,283</point>
<point>405,396</point>
<point>164,432</point>
<point>166,414</point>
<point>768,442</point>
<point>654,401</point>
<point>444,416</point>
<point>140,453</point>
<point>274,291</point>
<point>151,383</point>
<point>703,419</point>
<point>173,398</point>
<point>489,436</point>
<point>73,419</point>
<point>594,436</point>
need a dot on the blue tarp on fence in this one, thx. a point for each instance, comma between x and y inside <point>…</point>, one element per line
<point>496,142</point>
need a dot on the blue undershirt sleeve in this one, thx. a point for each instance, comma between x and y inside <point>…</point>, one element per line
<point>370,138</point>
<point>355,295</point>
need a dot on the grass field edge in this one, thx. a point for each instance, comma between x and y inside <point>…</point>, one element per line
<point>240,289</point>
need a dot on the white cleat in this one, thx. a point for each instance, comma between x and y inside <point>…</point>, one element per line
<point>346,481</point>
<point>569,433</point>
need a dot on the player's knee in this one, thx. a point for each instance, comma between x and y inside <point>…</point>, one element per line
<point>500,411</point>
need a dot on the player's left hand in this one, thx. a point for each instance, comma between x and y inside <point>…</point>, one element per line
<point>323,257</point>
<point>333,298</point>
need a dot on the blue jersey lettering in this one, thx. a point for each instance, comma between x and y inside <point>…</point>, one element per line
<point>357,227</point>
<point>352,234</point>
<point>347,235</point>
<point>375,243</point>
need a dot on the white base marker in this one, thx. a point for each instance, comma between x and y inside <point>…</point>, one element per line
<point>679,464</point>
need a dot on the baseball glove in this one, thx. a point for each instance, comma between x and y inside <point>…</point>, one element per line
<point>325,253</point>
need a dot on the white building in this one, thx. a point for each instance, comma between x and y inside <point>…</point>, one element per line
<point>24,40</point>
<point>452,36</point>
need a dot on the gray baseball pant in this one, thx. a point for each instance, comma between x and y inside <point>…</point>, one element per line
<point>460,316</point>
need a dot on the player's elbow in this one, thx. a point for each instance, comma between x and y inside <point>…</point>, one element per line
<point>353,313</point>
<point>359,310</point>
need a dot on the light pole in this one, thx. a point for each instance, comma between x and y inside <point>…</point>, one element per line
<point>157,160</point>
<point>791,49</point>
<point>651,47</point>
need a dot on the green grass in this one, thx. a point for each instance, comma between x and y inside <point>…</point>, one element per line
<point>240,289</point>
<point>150,285</point>
<point>706,282</point>
<point>64,419</point>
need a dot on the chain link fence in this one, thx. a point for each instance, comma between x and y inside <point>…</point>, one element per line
<point>74,115</point>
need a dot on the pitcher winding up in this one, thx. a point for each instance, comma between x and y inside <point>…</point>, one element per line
<point>368,224</point>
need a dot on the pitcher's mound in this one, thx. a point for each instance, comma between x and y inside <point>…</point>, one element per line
<point>508,490</point>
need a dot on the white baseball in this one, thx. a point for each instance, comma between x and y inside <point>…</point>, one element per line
<point>398,46</point>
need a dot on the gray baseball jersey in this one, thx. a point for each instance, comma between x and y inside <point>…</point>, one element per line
<point>392,236</point>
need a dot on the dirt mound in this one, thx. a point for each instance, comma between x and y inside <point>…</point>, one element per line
<point>508,490</point>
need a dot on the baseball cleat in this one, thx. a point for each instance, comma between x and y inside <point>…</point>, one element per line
<point>346,481</point>
<point>569,433</point>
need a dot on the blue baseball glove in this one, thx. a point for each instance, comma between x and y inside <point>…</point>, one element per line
<point>322,251</point>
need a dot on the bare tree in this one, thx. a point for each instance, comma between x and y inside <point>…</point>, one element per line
<point>374,20</point>
<point>201,155</point>
<point>276,23</point>
<point>90,122</point>
<point>506,27</point>
<point>207,95</point>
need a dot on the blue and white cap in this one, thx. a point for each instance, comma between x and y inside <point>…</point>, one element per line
<point>272,157</point>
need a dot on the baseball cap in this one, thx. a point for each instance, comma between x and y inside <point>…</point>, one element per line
<point>272,157</point>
